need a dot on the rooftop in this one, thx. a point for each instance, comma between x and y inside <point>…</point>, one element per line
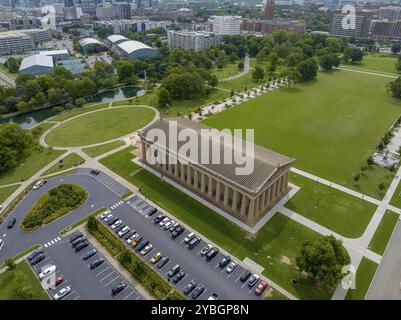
<point>88,41</point>
<point>54,52</point>
<point>116,37</point>
<point>132,45</point>
<point>36,60</point>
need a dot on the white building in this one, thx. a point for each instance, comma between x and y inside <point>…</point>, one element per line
<point>197,41</point>
<point>226,25</point>
<point>36,64</point>
<point>14,42</point>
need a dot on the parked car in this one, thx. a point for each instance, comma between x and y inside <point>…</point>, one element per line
<point>11,223</point>
<point>214,296</point>
<point>117,289</point>
<point>77,240</point>
<point>81,245</point>
<point>116,224</point>
<point>156,258</point>
<point>162,262</point>
<point>173,271</point>
<point>96,263</point>
<point>177,232</point>
<point>178,277</point>
<point>147,249</point>
<point>75,236</point>
<point>261,287</point>
<point>211,254</point>
<point>128,235</point>
<point>245,275</point>
<point>112,221</point>
<point>253,280</point>
<point>108,218</point>
<point>205,250</point>
<point>141,245</point>
<point>38,184</point>
<point>62,293</point>
<point>168,225</point>
<point>59,280</point>
<point>39,258</point>
<point>164,221</point>
<point>173,226</point>
<point>159,218</point>
<point>197,292</point>
<point>47,270</point>
<point>224,261</point>
<point>194,242</point>
<point>35,254</point>
<point>123,231</point>
<point>89,254</point>
<point>119,228</point>
<point>152,212</point>
<point>104,214</point>
<point>95,171</point>
<point>189,237</point>
<point>231,267</point>
<point>131,238</point>
<point>189,287</point>
<point>136,241</point>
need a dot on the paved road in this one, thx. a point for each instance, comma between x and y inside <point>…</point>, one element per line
<point>386,283</point>
<point>16,240</point>
<point>6,79</point>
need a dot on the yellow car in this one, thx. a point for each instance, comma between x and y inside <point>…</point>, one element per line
<point>156,258</point>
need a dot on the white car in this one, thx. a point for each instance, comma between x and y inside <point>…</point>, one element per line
<point>38,184</point>
<point>46,270</point>
<point>164,221</point>
<point>231,267</point>
<point>62,293</point>
<point>1,244</point>
<point>108,218</point>
<point>189,237</point>
<point>168,225</point>
<point>130,239</point>
<point>116,224</point>
<point>124,231</point>
<point>104,214</point>
<point>146,249</point>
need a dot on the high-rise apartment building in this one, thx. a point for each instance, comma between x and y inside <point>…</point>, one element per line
<point>226,25</point>
<point>197,41</point>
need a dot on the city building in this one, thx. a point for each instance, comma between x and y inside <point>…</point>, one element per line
<point>269,7</point>
<point>134,50</point>
<point>72,13</point>
<point>14,42</point>
<point>270,26</point>
<point>89,7</point>
<point>246,197</point>
<point>121,11</point>
<point>195,40</point>
<point>386,30</point>
<point>36,64</point>
<point>226,25</point>
<point>363,19</point>
<point>56,54</point>
<point>114,40</point>
<point>104,12</point>
<point>389,13</point>
<point>124,25</point>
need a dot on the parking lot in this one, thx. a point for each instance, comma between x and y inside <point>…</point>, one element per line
<point>85,284</point>
<point>135,214</point>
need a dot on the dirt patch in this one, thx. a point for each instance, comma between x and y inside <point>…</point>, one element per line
<point>250,236</point>
<point>286,260</point>
<point>268,293</point>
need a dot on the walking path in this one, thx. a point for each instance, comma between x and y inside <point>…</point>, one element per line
<point>242,73</point>
<point>367,72</point>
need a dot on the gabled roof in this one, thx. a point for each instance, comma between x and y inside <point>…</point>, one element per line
<point>36,60</point>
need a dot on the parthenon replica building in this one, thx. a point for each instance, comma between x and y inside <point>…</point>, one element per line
<point>246,197</point>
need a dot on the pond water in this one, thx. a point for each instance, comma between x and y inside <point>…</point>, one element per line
<point>28,120</point>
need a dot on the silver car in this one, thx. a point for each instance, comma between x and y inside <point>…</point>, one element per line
<point>231,267</point>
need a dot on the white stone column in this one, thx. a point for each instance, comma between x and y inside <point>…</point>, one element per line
<point>226,194</point>
<point>262,200</point>
<point>210,187</point>
<point>176,170</point>
<point>251,209</point>
<point>182,172</point>
<point>196,181</point>
<point>235,200</point>
<point>218,191</point>
<point>203,184</point>
<point>244,200</point>
<point>189,175</point>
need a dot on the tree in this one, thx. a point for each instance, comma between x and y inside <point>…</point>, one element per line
<point>10,263</point>
<point>293,59</point>
<point>13,64</point>
<point>125,258</point>
<point>92,223</point>
<point>353,54</point>
<point>396,48</point>
<point>395,88</point>
<point>240,65</point>
<point>258,74</point>
<point>80,102</point>
<point>273,62</point>
<point>324,259</point>
<point>164,98</point>
<point>55,95</point>
<point>58,109</point>
<point>292,76</point>
<point>307,69</point>
<point>328,61</point>
<point>126,71</point>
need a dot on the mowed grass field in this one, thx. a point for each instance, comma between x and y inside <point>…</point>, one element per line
<point>99,126</point>
<point>330,125</point>
<point>376,62</point>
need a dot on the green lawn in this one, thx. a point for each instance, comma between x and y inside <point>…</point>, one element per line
<point>177,107</point>
<point>273,240</point>
<point>396,199</point>
<point>77,111</point>
<point>6,192</point>
<point>100,126</point>
<point>36,160</point>
<point>68,162</point>
<point>330,125</point>
<point>383,63</point>
<point>97,151</point>
<point>334,209</point>
<point>8,285</point>
<point>364,276</point>
<point>383,233</point>
<point>229,70</point>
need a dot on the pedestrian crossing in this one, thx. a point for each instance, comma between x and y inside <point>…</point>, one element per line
<point>51,242</point>
<point>114,206</point>
<point>106,180</point>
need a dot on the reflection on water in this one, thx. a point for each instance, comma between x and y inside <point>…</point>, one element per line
<point>28,120</point>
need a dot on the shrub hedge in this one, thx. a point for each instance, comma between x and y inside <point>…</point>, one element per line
<point>54,204</point>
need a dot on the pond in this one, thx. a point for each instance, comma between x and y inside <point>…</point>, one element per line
<point>29,119</point>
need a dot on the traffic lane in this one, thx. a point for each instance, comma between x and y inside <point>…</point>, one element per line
<point>194,267</point>
<point>89,284</point>
<point>387,280</point>
<point>16,240</point>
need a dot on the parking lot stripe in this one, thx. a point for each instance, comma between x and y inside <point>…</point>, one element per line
<point>103,271</point>
<point>239,277</point>
<point>108,275</point>
<point>202,294</point>
<point>76,298</point>
<point>125,298</point>
<point>112,280</point>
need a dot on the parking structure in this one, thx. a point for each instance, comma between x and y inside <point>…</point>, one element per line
<point>216,280</point>
<point>85,284</point>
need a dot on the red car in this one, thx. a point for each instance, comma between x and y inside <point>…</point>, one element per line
<point>262,285</point>
<point>59,280</point>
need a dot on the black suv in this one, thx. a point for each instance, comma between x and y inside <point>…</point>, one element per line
<point>11,223</point>
<point>177,231</point>
<point>116,290</point>
<point>224,261</point>
<point>96,264</point>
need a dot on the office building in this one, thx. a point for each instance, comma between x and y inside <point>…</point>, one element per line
<point>226,25</point>
<point>197,41</point>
